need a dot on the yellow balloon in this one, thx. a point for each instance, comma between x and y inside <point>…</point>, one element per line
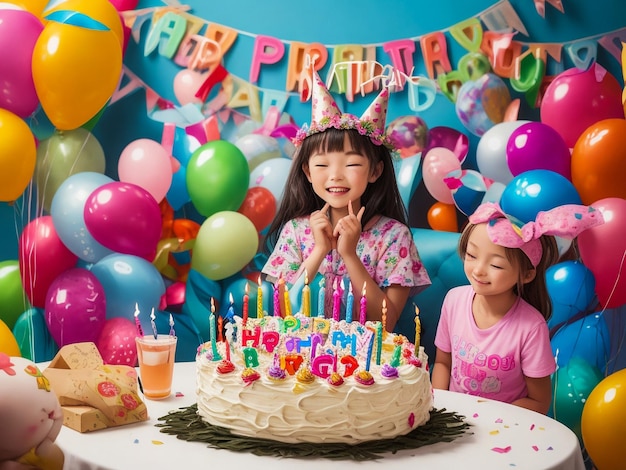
<point>18,152</point>
<point>603,422</point>
<point>76,71</point>
<point>34,6</point>
<point>8,343</point>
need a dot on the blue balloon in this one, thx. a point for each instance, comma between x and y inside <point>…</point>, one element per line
<point>67,212</point>
<point>587,338</point>
<point>33,337</point>
<point>408,177</point>
<point>571,286</point>
<point>128,280</point>
<point>537,190</point>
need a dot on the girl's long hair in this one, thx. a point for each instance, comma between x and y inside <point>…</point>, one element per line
<point>381,197</point>
<point>534,292</point>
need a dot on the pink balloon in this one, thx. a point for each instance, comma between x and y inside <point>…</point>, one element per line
<point>125,218</point>
<point>75,309</point>
<point>438,163</point>
<point>124,5</point>
<point>146,163</point>
<point>602,251</point>
<point>116,342</point>
<point>19,31</point>
<point>447,137</point>
<point>42,257</point>
<point>537,146</point>
<point>186,84</point>
<point>577,98</point>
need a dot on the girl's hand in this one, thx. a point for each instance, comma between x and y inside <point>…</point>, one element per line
<point>348,231</point>
<point>322,230</point>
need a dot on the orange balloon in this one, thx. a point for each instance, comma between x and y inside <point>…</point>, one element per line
<point>8,343</point>
<point>599,161</point>
<point>34,6</point>
<point>18,155</point>
<point>603,422</point>
<point>442,216</point>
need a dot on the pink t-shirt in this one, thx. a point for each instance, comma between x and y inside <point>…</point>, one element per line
<point>492,362</point>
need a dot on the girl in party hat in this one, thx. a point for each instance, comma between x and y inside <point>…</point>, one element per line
<point>341,214</point>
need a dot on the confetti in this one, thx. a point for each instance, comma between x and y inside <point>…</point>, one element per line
<point>550,448</point>
<point>532,426</point>
<point>535,448</point>
<point>493,433</point>
<point>502,450</point>
<point>136,441</point>
<point>499,420</point>
<point>179,394</point>
<point>157,443</point>
<point>475,415</point>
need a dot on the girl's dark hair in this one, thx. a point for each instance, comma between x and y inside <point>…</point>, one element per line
<point>381,197</point>
<point>534,292</point>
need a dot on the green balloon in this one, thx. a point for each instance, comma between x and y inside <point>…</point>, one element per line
<point>33,338</point>
<point>226,242</point>
<point>62,155</point>
<point>13,300</point>
<point>218,177</point>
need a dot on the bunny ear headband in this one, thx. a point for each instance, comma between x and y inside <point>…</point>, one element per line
<point>566,221</point>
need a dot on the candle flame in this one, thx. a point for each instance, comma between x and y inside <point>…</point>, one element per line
<point>231,298</point>
<point>171,320</point>
<point>212,305</point>
<point>136,309</point>
<point>306,278</point>
<point>417,310</point>
<point>246,289</point>
<point>363,290</point>
<point>350,288</point>
<point>152,315</point>
<point>259,281</point>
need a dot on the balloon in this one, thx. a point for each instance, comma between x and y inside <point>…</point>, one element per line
<point>226,242</point>
<point>33,336</point>
<point>534,191</point>
<point>442,217</point>
<point>186,85</point>
<point>95,59</point>
<point>75,307</point>
<point>587,338</point>
<point>575,99</point>
<point>534,146</point>
<point>17,156</point>
<point>124,5</point>
<point>409,134</point>
<point>13,299</point>
<point>19,31</point>
<point>572,385</point>
<point>128,281</point>
<point>271,174</point>
<point>217,177</point>
<point>408,176</point>
<point>68,215</point>
<point>603,422</point>
<point>571,287</point>
<point>64,154</point>
<point>258,148</point>
<point>42,257</point>
<point>125,218</point>
<point>146,163</point>
<point>491,156</point>
<point>116,342</point>
<point>36,7</point>
<point>602,250</point>
<point>449,138</point>
<point>599,161</point>
<point>469,190</point>
<point>259,206</point>
<point>481,103</point>
<point>438,163</point>
<point>8,344</point>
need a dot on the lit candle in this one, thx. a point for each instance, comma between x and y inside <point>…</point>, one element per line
<point>216,354</point>
<point>276,301</point>
<point>379,342</point>
<point>287,303</point>
<point>384,315</point>
<point>152,317</point>
<point>321,298</point>
<point>220,328</point>
<point>246,299</point>
<point>306,296</point>
<point>172,333</point>
<point>363,305</point>
<point>418,328</point>
<point>336,300</point>
<point>259,300</point>
<point>349,302</point>
<point>230,315</point>
<point>137,322</point>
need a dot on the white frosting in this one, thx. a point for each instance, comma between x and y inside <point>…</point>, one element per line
<point>291,411</point>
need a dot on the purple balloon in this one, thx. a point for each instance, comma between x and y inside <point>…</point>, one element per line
<point>75,308</point>
<point>449,138</point>
<point>125,218</point>
<point>537,146</point>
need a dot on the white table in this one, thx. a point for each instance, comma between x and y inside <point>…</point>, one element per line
<point>525,439</point>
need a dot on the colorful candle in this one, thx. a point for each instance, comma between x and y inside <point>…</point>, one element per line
<point>363,306</point>
<point>384,315</point>
<point>349,303</point>
<point>230,315</point>
<point>281,296</point>
<point>418,328</point>
<point>246,300</point>
<point>276,301</point>
<point>370,348</point>
<point>287,303</point>
<point>152,317</point>
<point>216,354</point>
<point>259,300</point>
<point>306,297</point>
<point>379,342</point>
<point>321,298</point>
<point>172,332</point>
<point>137,322</point>
<point>227,348</point>
<point>336,300</point>
<point>220,328</point>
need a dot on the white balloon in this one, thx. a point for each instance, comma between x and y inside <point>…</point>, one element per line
<point>491,151</point>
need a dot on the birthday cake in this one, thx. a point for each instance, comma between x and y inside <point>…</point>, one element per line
<point>311,379</point>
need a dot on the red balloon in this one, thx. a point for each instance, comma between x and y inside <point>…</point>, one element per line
<point>602,250</point>
<point>42,257</point>
<point>259,206</point>
<point>117,342</point>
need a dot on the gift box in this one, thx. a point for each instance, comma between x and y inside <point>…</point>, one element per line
<point>94,395</point>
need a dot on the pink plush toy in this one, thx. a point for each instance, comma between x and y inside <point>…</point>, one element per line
<point>30,417</point>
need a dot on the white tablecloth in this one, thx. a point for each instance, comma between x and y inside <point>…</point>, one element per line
<point>501,436</point>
